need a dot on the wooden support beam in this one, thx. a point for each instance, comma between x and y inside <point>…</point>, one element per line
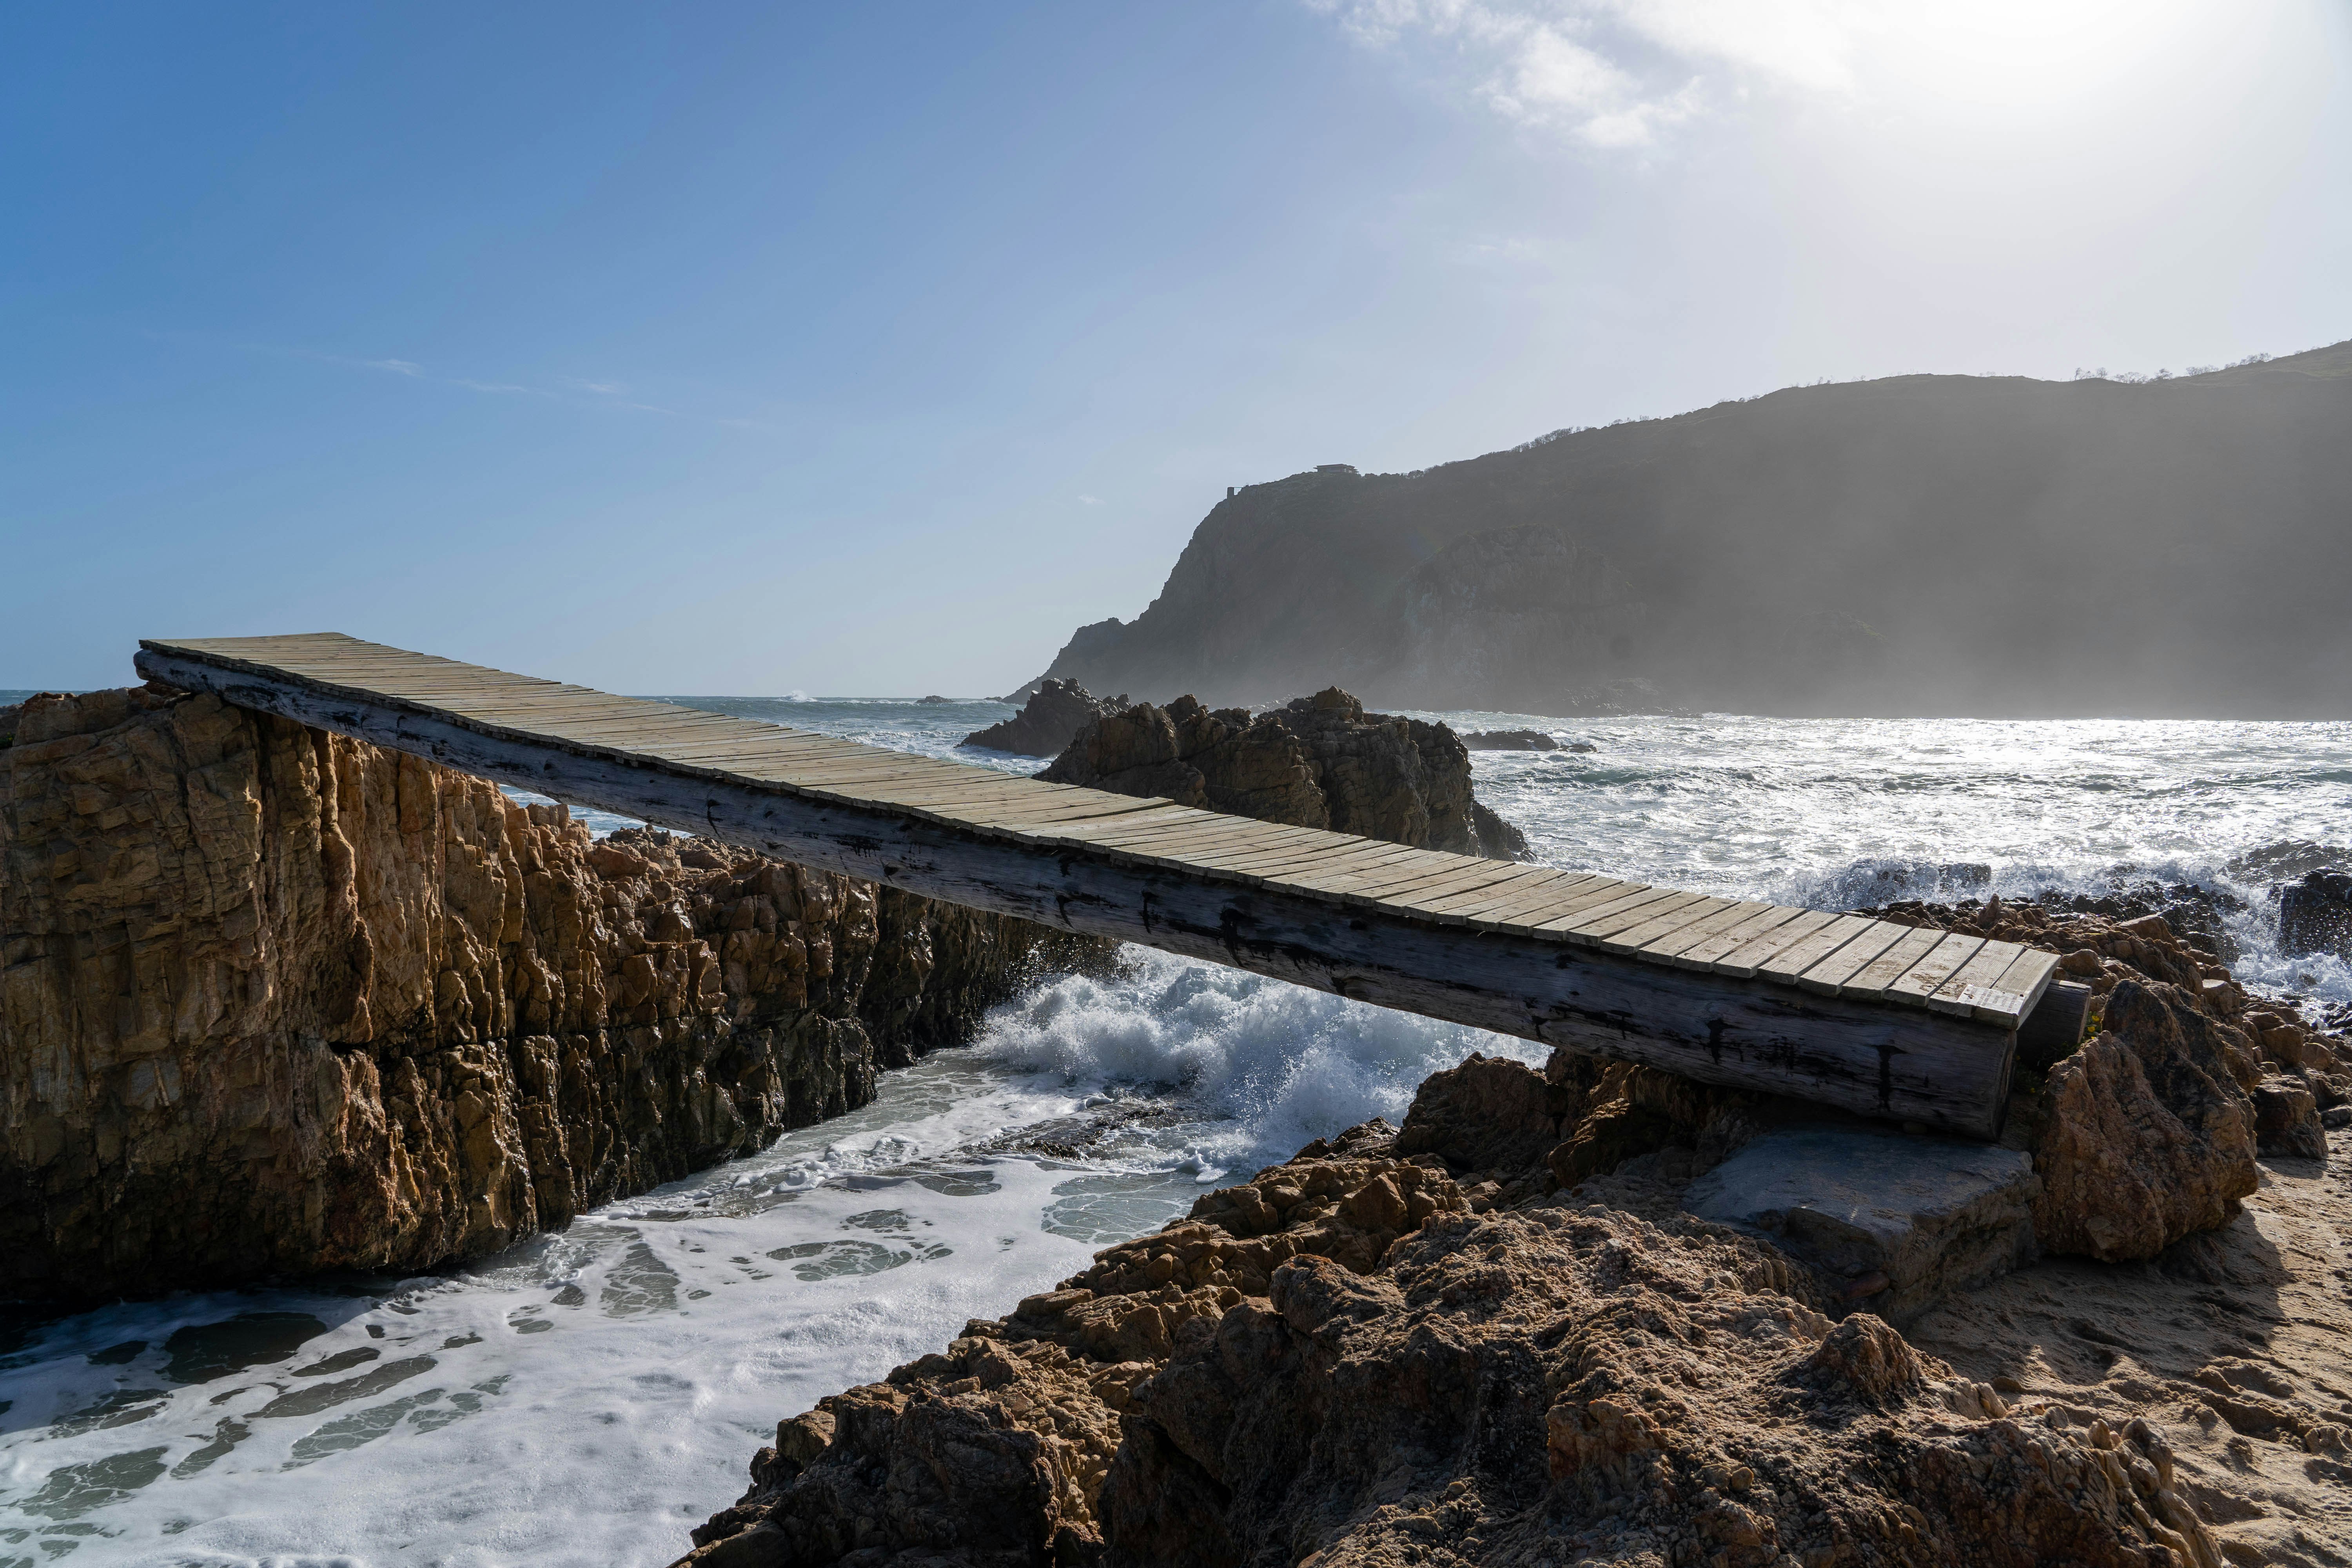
<point>1549,985</point>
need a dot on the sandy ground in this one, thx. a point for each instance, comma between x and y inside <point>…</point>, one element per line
<point>2236,1345</point>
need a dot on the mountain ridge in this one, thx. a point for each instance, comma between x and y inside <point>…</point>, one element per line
<point>1916,544</point>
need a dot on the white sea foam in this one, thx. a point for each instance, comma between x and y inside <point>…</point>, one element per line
<point>587,1397</point>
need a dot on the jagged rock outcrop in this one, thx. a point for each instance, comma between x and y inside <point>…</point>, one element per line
<point>2147,1133</point>
<point>1053,714</point>
<point>1339,1363</point>
<point>1520,741</point>
<point>274,1001</point>
<point>2316,915</point>
<point>1320,762</point>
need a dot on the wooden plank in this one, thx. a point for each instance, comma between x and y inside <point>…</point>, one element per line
<point>1465,880</point>
<point>1842,965</point>
<point>1801,955</point>
<point>1537,905</point>
<point>1339,865</point>
<point>2029,980</point>
<point>1974,983</point>
<point>1271,859</point>
<point>1595,929</point>
<point>1399,867</point>
<point>1548,882</point>
<point>1636,896</point>
<point>1742,959</point>
<point>1567,903</point>
<point>1923,979</point>
<point>1873,978</point>
<point>1161,822</point>
<point>1523,880</point>
<point>1668,944</point>
<point>1634,938</point>
<point>1708,950</point>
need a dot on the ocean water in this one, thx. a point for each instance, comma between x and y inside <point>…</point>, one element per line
<point>586,1398</point>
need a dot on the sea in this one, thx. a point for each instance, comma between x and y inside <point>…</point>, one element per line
<point>586,1397</point>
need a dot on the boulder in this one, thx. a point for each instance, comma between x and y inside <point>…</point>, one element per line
<point>1055,713</point>
<point>1320,762</point>
<point>2286,1118</point>
<point>1902,1220</point>
<point>1511,740</point>
<point>1489,1114</point>
<point>2316,915</point>
<point>2148,1133</point>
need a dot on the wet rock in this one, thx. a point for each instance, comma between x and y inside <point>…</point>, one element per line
<point>1489,1114</point>
<point>273,1001</point>
<point>2315,915</point>
<point>1055,711</point>
<point>1322,762</point>
<point>2147,1133</point>
<point>1516,741</point>
<point>2197,915</point>
<point>2286,1118</point>
<point>1905,1220</point>
<point>2288,859</point>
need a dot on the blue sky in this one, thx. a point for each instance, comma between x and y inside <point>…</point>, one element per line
<point>869,349</point>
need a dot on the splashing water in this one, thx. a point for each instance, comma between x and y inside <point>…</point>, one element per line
<point>590,1396</point>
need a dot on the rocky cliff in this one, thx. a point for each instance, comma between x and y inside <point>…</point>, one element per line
<point>1320,762</point>
<point>276,1001</point>
<point>1495,1336</point>
<point>1052,714</point>
<point>1935,544</point>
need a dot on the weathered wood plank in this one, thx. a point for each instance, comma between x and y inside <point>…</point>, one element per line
<point>1708,952</point>
<point>1637,896</point>
<point>1925,978</point>
<point>1973,983</point>
<point>1527,911</point>
<point>1742,960</point>
<point>1874,977</point>
<point>1801,955</point>
<point>1833,970</point>
<point>1640,934</point>
<point>2029,980</point>
<point>1674,944</point>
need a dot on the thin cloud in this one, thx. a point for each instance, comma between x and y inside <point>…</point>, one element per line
<point>1611,74</point>
<point>603,393</point>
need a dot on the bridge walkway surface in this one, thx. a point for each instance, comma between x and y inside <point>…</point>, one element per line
<point>1868,1016</point>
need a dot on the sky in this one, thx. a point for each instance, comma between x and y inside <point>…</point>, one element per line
<point>870,350</point>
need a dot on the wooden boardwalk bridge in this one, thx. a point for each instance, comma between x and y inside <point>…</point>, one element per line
<point>1861,1014</point>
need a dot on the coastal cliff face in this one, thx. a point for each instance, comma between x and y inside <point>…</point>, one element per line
<point>1318,761</point>
<point>1494,1336</point>
<point>1837,550</point>
<point>274,1001</point>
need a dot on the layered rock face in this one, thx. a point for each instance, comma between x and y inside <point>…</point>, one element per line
<point>1055,713</point>
<point>1320,762</point>
<point>276,1001</point>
